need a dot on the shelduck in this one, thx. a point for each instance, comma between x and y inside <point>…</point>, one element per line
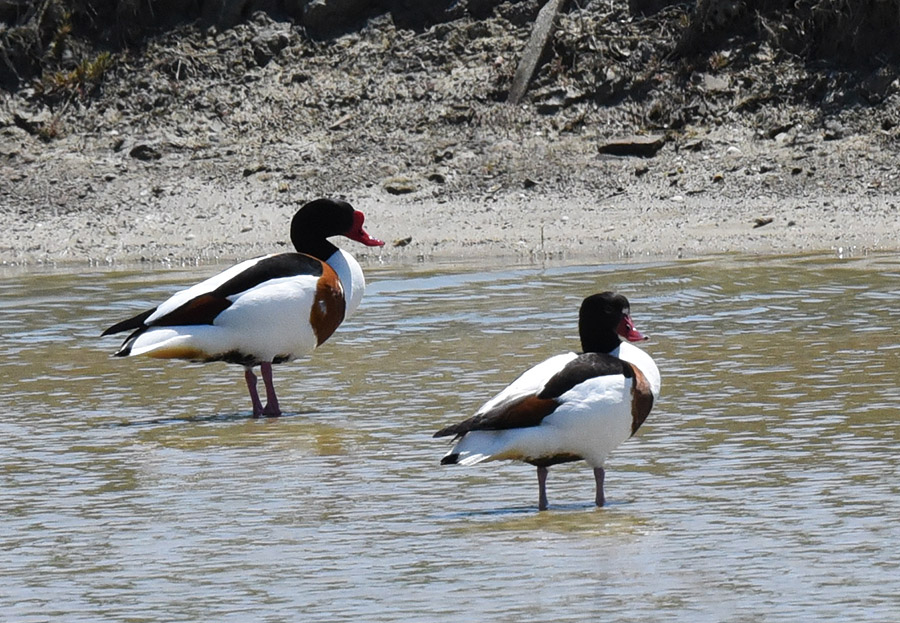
<point>570,407</point>
<point>263,311</point>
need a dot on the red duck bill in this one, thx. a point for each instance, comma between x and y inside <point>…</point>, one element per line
<point>627,330</point>
<point>359,234</point>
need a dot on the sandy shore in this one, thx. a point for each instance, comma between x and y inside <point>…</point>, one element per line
<point>576,230</point>
<point>132,218</point>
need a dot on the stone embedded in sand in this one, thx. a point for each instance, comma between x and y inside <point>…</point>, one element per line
<point>144,152</point>
<point>400,186</point>
<point>642,146</point>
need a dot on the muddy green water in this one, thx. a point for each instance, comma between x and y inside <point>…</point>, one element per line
<point>765,486</point>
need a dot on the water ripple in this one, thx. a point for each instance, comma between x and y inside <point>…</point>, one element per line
<point>764,486</point>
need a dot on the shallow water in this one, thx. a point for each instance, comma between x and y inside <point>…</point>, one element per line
<point>765,486</point>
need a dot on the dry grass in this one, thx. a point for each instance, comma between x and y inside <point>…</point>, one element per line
<point>77,82</point>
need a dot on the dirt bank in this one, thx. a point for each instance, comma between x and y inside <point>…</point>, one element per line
<point>200,145</point>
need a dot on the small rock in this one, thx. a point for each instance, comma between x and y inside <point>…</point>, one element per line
<point>32,122</point>
<point>254,169</point>
<point>694,145</point>
<point>144,152</point>
<point>549,101</point>
<point>780,129</point>
<point>267,45</point>
<point>762,220</point>
<point>399,186</point>
<point>715,83</point>
<point>402,242</point>
<point>833,130</point>
<point>444,154</point>
<point>642,146</point>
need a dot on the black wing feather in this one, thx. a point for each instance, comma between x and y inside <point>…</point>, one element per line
<point>522,413</point>
<point>132,323</point>
<point>531,410</point>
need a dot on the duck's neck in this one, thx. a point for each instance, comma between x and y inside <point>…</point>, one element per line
<point>600,343</point>
<point>319,248</point>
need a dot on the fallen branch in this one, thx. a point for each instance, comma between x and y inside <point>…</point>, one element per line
<point>540,34</point>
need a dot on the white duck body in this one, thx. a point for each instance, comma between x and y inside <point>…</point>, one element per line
<point>591,420</point>
<point>270,321</point>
